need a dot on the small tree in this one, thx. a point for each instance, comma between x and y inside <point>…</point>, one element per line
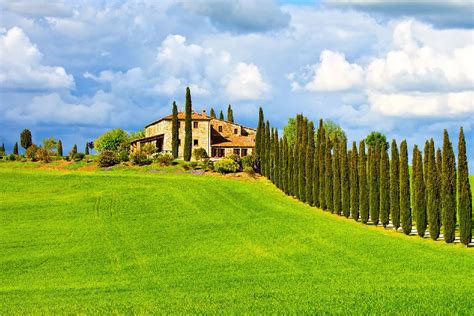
<point>221,116</point>
<point>114,140</point>
<point>200,154</point>
<point>230,114</point>
<point>395,186</point>
<point>212,113</point>
<point>59,148</point>
<point>25,139</point>
<point>334,131</point>
<point>175,131</point>
<point>363,190</point>
<point>405,210</point>
<point>49,144</point>
<point>15,149</point>
<point>86,149</point>
<point>464,193</point>
<point>376,138</point>
<point>73,151</point>
<point>354,182</point>
<point>419,197</point>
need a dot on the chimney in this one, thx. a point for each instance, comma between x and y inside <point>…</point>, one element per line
<point>204,112</point>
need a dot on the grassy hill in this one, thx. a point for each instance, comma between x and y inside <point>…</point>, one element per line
<point>118,241</point>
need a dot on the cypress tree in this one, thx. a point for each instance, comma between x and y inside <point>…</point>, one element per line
<point>267,149</point>
<point>464,193</point>
<point>329,173</point>
<point>295,170</point>
<point>384,186</point>
<point>175,131</point>
<point>212,113</point>
<point>221,116</point>
<point>26,139</point>
<point>60,148</point>
<point>317,165</point>
<point>374,188</point>
<point>260,140</point>
<point>426,153</point>
<point>289,171</point>
<point>395,185</point>
<point>354,182</point>
<point>309,164</point>
<point>405,210</point>
<point>336,172</point>
<point>363,190</point>
<point>188,132</point>
<point>302,159</point>
<point>86,149</point>
<point>322,171</point>
<point>272,155</point>
<point>419,197</point>
<point>448,190</point>
<point>2,148</point>
<point>230,114</point>
<point>276,161</point>
<point>345,180</point>
<point>74,150</point>
<point>439,167</point>
<point>281,161</point>
<point>15,149</point>
<point>285,165</point>
<point>433,198</point>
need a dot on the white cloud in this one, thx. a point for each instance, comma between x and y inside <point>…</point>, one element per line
<point>334,73</point>
<point>21,65</point>
<point>246,82</point>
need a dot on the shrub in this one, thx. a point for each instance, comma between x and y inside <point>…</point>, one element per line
<point>2,154</point>
<point>249,170</point>
<point>140,158</point>
<point>164,159</point>
<point>185,165</point>
<point>43,155</point>
<point>250,161</point>
<point>192,164</point>
<point>78,156</point>
<point>123,156</point>
<point>107,158</point>
<point>12,157</point>
<point>209,165</point>
<point>200,154</point>
<point>31,152</point>
<point>226,165</point>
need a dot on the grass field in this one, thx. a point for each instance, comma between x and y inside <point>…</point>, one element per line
<point>131,242</point>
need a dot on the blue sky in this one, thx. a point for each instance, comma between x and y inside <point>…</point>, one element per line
<point>73,69</point>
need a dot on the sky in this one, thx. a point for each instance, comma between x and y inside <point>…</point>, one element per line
<point>74,69</point>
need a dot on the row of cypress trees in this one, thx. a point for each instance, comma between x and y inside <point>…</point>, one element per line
<point>371,186</point>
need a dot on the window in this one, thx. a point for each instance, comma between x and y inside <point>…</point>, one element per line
<point>244,152</point>
<point>236,131</point>
<point>237,151</point>
<point>196,142</point>
<point>220,129</point>
<point>195,124</point>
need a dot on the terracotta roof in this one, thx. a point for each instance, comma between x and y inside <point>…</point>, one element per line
<point>236,141</point>
<point>146,139</point>
<point>225,121</point>
<point>182,116</point>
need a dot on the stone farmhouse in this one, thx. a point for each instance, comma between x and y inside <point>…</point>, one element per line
<point>218,137</point>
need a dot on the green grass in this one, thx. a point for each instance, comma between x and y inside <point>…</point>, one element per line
<point>137,242</point>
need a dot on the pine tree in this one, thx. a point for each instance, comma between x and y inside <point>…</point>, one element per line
<point>60,148</point>
<point>26,139</point>
<point>363,189</point>
<point>395,185</point>
<point>267,149</point>
<point>384,174</point>
<point>188,132</point>
<point>15,149</point>
<point>212,113</point>
<point>336,184</point>
<point>433,190</point>
<point>419,197</point>
<point>221,116</point>
<point>175,131</point>
<point>309,164</point>
<point>464,193</point>
<point>329,173</point>
<point>86,149</point>
<point>345,180</point>
<point>302,159</point>
<point>354,182</point>
<point>374,187</point>
<point>322,171</point>
<point>448,190</point>
<point>230,114</point>
<point>405,210</point>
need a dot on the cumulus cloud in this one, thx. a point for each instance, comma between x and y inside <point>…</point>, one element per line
<point>22,67</point>
<point>335,73</point>
<point>37,8</point>
<point>246,82</point>
<point>241,15</point>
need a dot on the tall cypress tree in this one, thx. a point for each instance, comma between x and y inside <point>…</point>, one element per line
<point>395,186</point>
<point>60,148</point>
<point>433,191</point>
<point>221,116</point>
<point>285,165</point>
<point>188,132</point>
<point>426,153</point>
<point>74,150</point>
<point>26,140</point>
<point>464,193</point>
<point>309,163</point>
<point>289,171</point>
<point>329,173</point>
<point>15,149</point>
<point>295,171</point>
<point>302,159</point>
<point>276,167</point>
<point>212,113</point>
<point>405,210</point>
<point>230,114</point>
<point>175,131</point>
<point>384,186</point>
<point>374,189</point>
<point>336,172</point>
<point>322,170</point>
<point>363,190</point>
<point>448,190</point>
<point>260,139</point>
<point>439,167</point>
<point>317,165</point>
<point>419,197</point>
<point>345,180</point>
<point>86,149</point>
<point>272,155</point>
<point>354,182</point>
<point>267,149</point>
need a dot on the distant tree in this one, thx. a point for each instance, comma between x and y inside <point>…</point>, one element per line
<point>267,149</point>
<point>221,116</point>
<point>175,131</point>
<point>334,131</point>
<point>2,148</point>
<point>59,148</point>
<point>230,114</point>
<point>114,140</point>
<point>49,144</point>
<point>329,174</point>
<point>302,159</point>
<point>259,139</point>
<point>317,164</point>
<point>363,189</point>
<point>395,186</point>
<point>384,175</point>
<point>345,180</point>
<point>405,210</point>
<point>336,173</point>
<point>133,136</point>
<point>290,170</point>
<point>188,130</point>
<point>322,170</point>
<point>376,138</point>
<point>448,189</point>
<point>73,151</point>
<point>433,194</point>
<point>354,182</point>
<point>15,149</point>
<point>464,193</point>
<point>290,131</point>
<point>374,187</point>
<point>285,165</point>
<point>26,139</point>
<point>419,197</point>
<point>86,149</point>
<point>212,113</point>
<point>309,163</point>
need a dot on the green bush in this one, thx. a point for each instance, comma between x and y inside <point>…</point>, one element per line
<point>12,157</point>
<point>209,165</point>
<point>249,170</point>
<point>31,152</point>
<point>78,156</point>
<point>200,154</point>
<point>250,161</point>
<point>123,156</point>
<point>107,158</point>
<point>235,158</point>
<point>113,140</point>
<point>164,159</point>
<point>192,164</point>
<point>140,158</point>
<point>184,165</point>
<point>226,165</point>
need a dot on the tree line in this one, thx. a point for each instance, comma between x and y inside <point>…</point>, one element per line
<point>372,182</point>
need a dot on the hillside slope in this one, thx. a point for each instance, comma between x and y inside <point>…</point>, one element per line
<point>141,242</point>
